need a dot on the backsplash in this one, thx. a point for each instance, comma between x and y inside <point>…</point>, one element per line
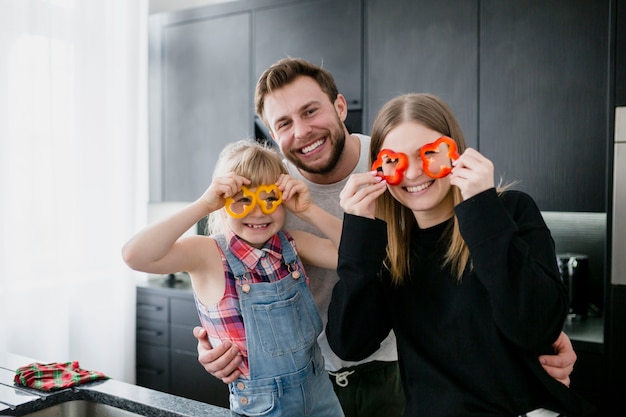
<point>585,234</point>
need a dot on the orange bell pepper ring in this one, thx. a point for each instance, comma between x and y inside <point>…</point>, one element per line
<point>242,207</point>
<point>442,170</point>
<point>401,164</point>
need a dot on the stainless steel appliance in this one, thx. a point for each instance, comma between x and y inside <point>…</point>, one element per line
<point>574,269</point>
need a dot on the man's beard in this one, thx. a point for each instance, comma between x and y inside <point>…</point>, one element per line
<point>338,142</point>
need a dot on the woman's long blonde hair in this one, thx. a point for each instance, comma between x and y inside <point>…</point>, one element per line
<point>259,162</point>
<point>433,113</point>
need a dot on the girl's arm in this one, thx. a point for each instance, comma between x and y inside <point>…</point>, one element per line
<point>160,249</point>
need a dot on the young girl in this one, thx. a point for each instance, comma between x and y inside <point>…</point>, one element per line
<point>248,281</point>
<point>465,275</point>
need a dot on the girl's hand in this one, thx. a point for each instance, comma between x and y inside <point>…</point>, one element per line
<point>359,195</point>
<point>221,188</point>
<point>472,173</point>
<point>296,196</point>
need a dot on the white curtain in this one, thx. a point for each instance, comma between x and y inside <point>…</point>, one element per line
<point>73,178</point>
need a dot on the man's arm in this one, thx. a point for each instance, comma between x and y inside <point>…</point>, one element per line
<point>222,361</point>
<point>560,365</point>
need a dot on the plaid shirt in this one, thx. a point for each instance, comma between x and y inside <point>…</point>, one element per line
<point>223,321</point>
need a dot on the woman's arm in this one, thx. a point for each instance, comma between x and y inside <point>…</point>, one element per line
<point>358,319</point>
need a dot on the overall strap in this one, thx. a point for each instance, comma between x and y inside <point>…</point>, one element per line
<point>238,268</point>
<point>289,254</point>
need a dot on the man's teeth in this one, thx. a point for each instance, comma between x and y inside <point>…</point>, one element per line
<point>419,187</point>
<point>312,146</point>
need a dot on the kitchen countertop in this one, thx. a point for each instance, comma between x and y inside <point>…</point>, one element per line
<point>18,401</point>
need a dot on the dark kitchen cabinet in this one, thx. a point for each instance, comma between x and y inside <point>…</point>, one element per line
<point>204,64</point>
<point>423,46</point>
<point>528,82</point>
<point>200,98</point>
<point>167,356</point>
<point>325,32</point>
<point>543,100</point>
<point>620,54</point>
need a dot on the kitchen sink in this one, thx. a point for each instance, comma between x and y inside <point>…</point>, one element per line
<point>82,408</point>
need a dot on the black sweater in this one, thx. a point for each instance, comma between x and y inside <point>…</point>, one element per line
<point>469,347</point>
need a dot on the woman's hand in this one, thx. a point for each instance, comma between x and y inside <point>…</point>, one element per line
<point>221,188</point>
<point>359,195</point>
<point>472,173</point>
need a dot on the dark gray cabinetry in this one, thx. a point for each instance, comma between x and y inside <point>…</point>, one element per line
<point>167,356</point>
<point>204,64</point>
<point>528,82</point>
<point>200,97</point>
<point>543,98</point>
<point>423,46</point>
<point>325,32</point>
<point>620,54</point>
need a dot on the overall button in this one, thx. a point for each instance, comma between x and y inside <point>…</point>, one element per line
<point>241,385</point>
<point>243,400</point>
<point>245,288</point>
<point>296,274</point>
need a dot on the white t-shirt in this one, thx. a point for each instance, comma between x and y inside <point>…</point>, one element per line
<point>322,280</point>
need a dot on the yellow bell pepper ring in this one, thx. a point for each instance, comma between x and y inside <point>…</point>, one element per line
<point>268,196</point>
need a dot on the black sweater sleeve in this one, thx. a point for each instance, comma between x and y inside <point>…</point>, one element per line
<point>357,318</point>
<point>513,256</point>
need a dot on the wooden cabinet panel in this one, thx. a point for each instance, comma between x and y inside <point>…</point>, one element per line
<point>620,54</point>
<point>190,380</point>
<point>325,32</point>
<point>167,355</point>
<point>153,367</point>
<point>423,47</point>
<point>202,99</point>
<point>153,332</point>
<point>543,98</point>
<point>183,311</point>
<point>152,307</point>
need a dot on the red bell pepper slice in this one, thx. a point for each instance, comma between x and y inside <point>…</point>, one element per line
<point>401,166</point>
<point>453,154</point>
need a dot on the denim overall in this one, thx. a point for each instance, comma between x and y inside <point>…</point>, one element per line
<point>287,375</point>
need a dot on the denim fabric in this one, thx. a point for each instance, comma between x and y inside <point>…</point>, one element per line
<point>287,375</point>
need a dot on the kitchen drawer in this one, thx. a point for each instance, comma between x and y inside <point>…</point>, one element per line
<point>153,332</point>
<point>184,311</point>
<point>153,307</point>
<point>183,338</point>
<point>153,367</point>
<point>191,380</point>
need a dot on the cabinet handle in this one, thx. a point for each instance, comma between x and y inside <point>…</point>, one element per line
<point>151,371</point>
<point>149,332</point>
<point>151,307</point>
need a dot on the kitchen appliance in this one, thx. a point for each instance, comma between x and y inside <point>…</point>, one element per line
<point>574,269</point>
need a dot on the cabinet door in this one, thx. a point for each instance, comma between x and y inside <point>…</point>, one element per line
<point>153,367</point>
<point>201,99</point>
<point>325,32</point>
<point>423,46</point>
<point>190,380</point>
<point>620,55</point>
<point>544,98</point>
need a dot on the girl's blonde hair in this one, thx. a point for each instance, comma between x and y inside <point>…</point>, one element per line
<point>259,162</point>
<point>433,113</point>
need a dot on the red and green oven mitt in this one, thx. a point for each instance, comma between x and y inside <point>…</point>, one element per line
<point>54,376</point>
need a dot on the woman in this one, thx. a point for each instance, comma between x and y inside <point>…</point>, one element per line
<point>465,274</point>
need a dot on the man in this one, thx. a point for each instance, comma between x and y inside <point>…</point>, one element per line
<point>304,113</point>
